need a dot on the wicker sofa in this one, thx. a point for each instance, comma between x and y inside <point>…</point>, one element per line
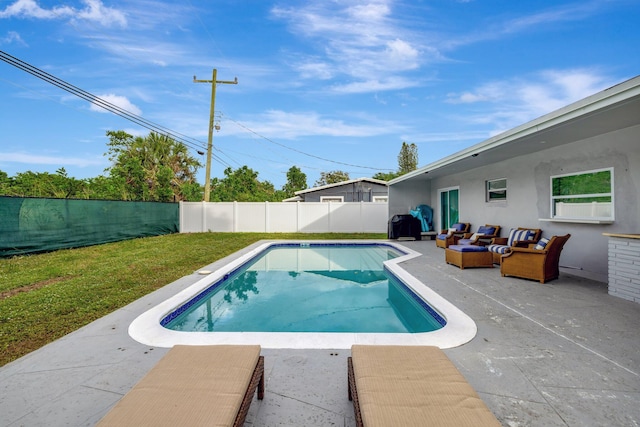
<point>537,261</point>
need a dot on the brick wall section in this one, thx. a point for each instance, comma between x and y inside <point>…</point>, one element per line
<point>624,268</point>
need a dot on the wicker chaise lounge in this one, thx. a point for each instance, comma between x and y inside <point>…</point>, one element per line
<point>411,386</point>
<point>194,386</point>
<point>537,261</point>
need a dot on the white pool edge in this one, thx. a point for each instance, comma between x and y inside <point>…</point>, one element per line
<point>459,329</point>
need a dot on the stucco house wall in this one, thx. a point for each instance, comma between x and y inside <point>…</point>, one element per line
<point>406,195</point>
<point>528,195</point>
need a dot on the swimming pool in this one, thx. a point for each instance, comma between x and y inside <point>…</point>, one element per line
<point>453,326</point>
<point>294,287</point>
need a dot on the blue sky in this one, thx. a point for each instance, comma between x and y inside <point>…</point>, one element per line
<point>323,85</point>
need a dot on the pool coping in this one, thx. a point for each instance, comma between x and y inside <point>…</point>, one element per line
<point>459,329</point>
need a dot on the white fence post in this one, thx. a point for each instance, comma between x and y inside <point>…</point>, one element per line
<point>235,217</point>
<point>203,212</point>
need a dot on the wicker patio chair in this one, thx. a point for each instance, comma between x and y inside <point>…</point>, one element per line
<point>447,237</point>
<point>518,237</point>
<point>411,386</point>
<point>537,262</point>
<point>484,236</point>
<point>194,386</point>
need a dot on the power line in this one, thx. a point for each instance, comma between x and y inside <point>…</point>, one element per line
<point>193,143</point>
<point>87,96</point>
<point>302,152</point>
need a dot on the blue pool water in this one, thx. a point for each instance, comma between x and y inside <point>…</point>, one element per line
<point>309,288</point>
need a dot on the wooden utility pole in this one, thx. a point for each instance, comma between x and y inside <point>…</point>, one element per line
<point>214,82</point>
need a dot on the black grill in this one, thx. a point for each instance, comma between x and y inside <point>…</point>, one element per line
<point>404,226</point>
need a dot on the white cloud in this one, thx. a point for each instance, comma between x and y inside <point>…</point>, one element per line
<point>141,48</point>
<point>39,159</point>
<point>532,22</point>
<point>94,11</point>
<point>290,125</point>
<point>315,69</point>
<point>365,86</point>
<point>488,92</point>
<point>400,52</point>
<point>454,136</point>
<point>518,100</point>
<point>356,41</point>
<point>117,100</point>
<point>12,37</point>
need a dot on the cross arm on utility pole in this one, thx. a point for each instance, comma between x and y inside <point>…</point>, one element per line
<point>214,81</point>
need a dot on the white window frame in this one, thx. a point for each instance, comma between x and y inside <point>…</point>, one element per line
<point>597,211</point>
<point>380,199</point>
<point>332,199</point>
<point>488,191</point>
<point>448,220</point>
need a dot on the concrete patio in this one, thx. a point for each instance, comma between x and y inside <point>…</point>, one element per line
<point>563,353</point>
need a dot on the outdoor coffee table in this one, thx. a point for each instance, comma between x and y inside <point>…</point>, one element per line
<point>465,256</point>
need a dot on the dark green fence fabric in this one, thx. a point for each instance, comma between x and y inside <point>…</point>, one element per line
<point>30,225</point>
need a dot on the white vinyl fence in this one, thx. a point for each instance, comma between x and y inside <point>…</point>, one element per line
<point>284,217</point>
<point>584,210</point>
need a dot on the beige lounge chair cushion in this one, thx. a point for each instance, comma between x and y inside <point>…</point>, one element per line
<point>414,386</point>
<point>190,386</point>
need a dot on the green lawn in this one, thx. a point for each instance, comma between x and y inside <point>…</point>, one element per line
<point>44,297</point>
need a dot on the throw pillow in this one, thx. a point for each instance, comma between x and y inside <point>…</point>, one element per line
<point>516,235</point>
<point>476,236</point>
<point>486,230</point>
<point>542,243</point>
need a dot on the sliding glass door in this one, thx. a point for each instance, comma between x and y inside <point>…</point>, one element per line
<point>449,207</point>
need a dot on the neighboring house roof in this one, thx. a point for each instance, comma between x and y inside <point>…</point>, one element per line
<point>614,108</point>
<point>340,184</point>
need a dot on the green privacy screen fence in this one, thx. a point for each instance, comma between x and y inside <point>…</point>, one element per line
<point>30,225</point>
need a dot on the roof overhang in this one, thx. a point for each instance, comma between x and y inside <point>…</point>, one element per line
<point>611,109</point>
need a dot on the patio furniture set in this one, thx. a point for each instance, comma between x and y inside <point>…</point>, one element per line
<point>524,253</point>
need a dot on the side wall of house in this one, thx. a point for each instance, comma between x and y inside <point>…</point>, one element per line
<point>528,195</point>
<point>406,195</point>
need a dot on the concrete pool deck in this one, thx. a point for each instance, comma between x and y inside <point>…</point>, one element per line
<point>564,353</point>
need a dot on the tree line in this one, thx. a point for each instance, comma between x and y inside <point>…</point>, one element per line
<point>157,168</point>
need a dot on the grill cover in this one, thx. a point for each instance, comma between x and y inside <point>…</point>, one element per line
<point>404,226</point>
